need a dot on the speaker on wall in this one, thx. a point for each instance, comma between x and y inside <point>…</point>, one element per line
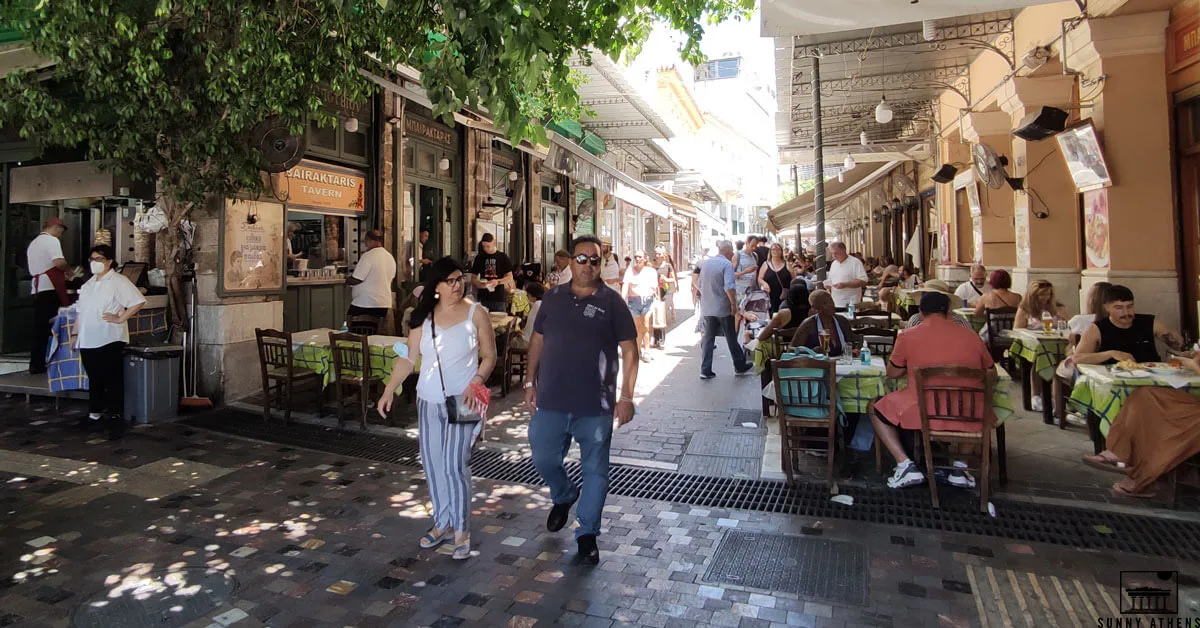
<point>1041,123</point>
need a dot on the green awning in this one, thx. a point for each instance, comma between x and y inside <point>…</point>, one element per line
<point>593,143</point>
<point>10,35</point>
<point>567,128</point>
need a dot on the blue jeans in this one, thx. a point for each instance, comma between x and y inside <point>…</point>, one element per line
<point>708,341</point>
<point>550,435</point>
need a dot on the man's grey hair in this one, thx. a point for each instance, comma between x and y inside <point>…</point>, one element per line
<point>724,245</point>
<point>837,245</point>
<point>979,267</point>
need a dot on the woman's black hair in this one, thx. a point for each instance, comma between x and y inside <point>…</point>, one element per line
<point>536,290</point>
<point>438,272</point>
<point>797,301</point>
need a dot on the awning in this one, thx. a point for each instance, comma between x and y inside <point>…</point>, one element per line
<point>802,208</point>
<point>570,159</point>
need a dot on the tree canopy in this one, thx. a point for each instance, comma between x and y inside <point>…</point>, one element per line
<point>172,87</point>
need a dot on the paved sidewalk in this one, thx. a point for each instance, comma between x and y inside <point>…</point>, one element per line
<point>172,527</point>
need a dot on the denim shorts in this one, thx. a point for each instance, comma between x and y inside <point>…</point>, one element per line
<point>640,306</point>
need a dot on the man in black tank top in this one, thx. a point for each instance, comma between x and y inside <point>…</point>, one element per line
<point>1125,335</point>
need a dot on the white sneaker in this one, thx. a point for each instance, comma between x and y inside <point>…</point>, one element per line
<point>906,475</point>
<point>961,478</point>
<point>1037,404</point>
<point>1076,419</point>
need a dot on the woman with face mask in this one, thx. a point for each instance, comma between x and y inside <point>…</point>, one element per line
<point>106,303</point>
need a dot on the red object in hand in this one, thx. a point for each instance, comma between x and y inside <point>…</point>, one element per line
<point>481,396</point>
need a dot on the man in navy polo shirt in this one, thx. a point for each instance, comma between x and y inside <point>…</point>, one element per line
<point>573,388</point>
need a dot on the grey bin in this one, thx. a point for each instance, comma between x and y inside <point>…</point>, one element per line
<point>152,382</point>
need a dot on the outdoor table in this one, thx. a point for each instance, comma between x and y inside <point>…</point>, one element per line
<point>518,301</point>
<point>1102,393</point>
<point>310,350</point>
<point>907,301</point>
<point>968,313</point>
<point>858,385</point>
<point>1038,353</point>
<point>501,321</point>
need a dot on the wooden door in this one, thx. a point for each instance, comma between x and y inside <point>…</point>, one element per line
<point>1189,240</point>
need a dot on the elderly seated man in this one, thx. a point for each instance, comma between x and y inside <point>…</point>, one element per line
<point>973,290</point>
<point>1125,335</point>
<point>935,342</point>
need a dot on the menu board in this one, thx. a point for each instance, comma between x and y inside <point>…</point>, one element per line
<point>252,247</point>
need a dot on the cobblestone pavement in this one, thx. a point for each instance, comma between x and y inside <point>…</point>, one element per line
<point>172,526</point>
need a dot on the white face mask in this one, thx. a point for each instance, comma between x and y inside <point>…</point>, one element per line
<point>98,267</point>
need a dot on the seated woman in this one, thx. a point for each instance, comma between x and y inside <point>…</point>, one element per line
<point>808,334</point>
<point>1000,297</point>
<point>795,310</point>
<point>1039,300</point>
<point>1155,430</point>
<point>1066,371</point>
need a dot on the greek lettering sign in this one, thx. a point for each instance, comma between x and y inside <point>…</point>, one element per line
<point>322,188</point>
<point>428,130</point>
<point>1184,43</point>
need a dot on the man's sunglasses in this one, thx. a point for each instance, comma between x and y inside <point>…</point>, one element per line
<point>594,260</point>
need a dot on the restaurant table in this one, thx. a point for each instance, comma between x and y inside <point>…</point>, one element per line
<point>859,384</point>
<point>908,300</point>
<point>518,301</point>
<point>310,350</point>
<point>1039,353</point>
<point>1101,393</point>
<point>968,313</point>
<point>501,321</point>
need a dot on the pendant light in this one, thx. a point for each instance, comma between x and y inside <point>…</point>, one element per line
<point>862,137</point>
<point>841,177</point>
<point>848,163</point>
<point>929,30</point>
<point>883,111</point>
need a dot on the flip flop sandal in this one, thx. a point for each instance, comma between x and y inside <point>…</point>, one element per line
<point>462,551</point>
<point>1118,491</point>
<point>429,541</point>
<point>1104,464</point>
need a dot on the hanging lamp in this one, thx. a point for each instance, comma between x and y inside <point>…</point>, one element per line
<point>848,163</point>
<point>883,111</point>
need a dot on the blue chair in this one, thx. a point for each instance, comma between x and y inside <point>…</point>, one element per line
<point>806,393</point>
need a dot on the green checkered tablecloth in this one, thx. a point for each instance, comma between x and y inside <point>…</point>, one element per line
<point>858,385</point>
<point>1043,351</point>
<point>968,313</point>
<point>310,351</point>
<point>1099,391</point>
<point>908,298</point>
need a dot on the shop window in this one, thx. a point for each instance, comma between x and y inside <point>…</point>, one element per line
<point>321,137</point>
<point>426,162</point>
<point>719,69</point>
<point>356,143</point>
<point>410,159</point>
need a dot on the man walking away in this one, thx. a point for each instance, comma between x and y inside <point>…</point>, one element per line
<point>371,282</point>
<point>575,339</point>
<point>718,303</point>
<point>44,259</point>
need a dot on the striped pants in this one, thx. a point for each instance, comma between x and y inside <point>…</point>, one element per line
<point>445,452</point>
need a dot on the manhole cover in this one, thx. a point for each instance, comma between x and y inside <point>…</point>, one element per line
<point>729,443</point>
<point>806,566</point>
<point>160,598</point>
<point>745,417</point>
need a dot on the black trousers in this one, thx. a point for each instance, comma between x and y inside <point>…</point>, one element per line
<point>377,312</point>
<point>106,378</point>
<point>45,308</point>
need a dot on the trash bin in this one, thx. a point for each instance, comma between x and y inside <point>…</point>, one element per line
<point>152,382</point>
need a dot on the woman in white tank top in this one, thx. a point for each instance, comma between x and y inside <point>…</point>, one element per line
<point>452,339</point>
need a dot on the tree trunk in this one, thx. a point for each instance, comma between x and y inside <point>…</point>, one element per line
<point>173,265</point>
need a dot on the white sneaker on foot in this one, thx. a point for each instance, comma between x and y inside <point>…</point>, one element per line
<point>905,475</point>
<point>1037,404</point>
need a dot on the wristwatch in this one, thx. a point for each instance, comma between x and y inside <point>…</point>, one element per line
<point>528,385</point>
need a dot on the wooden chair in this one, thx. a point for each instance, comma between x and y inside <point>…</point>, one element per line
<point>881,321</point>
<point>363,325</point>
<point>279,370</point>
<point>806,392</point>
<point>967,402</point>
<point>880,341</point>
<point>773,347</point>
<point>351,358</point>
<point>516,358</point>
<point>999,321</point>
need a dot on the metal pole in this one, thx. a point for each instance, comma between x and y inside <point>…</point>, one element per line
<point>795,180</point>
<point>818,168</point>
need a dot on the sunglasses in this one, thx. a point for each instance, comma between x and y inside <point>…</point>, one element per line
<point>594,260</point>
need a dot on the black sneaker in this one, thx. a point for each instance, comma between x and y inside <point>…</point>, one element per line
<point>559,515</point>
<point>743,371</point>
<point>707,375</point>
<point>589,554</point>
<point>116,426</point>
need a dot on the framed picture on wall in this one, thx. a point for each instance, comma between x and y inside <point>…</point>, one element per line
<point>973,199</point>
<point>1080,147</point>
<point>251,260</point>
<point>1095,228</point>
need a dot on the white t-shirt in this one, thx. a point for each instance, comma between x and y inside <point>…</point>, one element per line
<point>643,284</point>
<point>99,296</point>
<point>842,272</point>
<point>966,291</point>
<point>610,269</point>
<point>562,276</point>
<point>533,312</point>
<point>376,269</point>
<point>40,258</point>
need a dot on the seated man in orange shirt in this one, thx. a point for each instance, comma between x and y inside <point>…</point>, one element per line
<point>935,342</point>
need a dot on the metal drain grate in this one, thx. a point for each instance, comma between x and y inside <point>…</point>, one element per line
<point>810,567</point>
<point>173,598</point>
<point>745,417</point>
<point>1058,525</point>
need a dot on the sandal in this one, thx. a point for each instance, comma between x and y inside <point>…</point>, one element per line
<point>1121,491</point>
<point>435,537</point>
<point>1104,463</point>
<point>462,551</point>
